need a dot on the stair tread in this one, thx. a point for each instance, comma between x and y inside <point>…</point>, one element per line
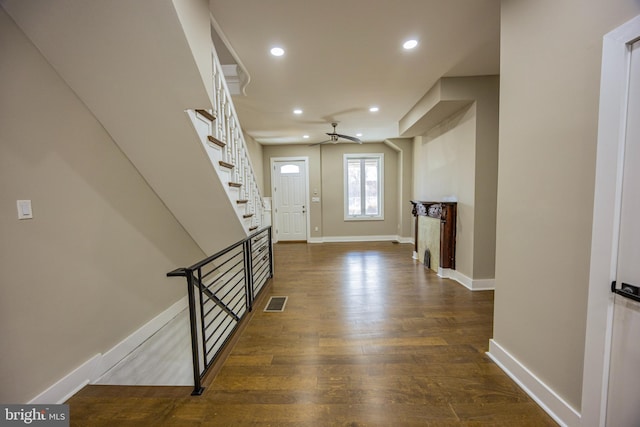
<point>235,184</point>
<point>226,165</point>
<point>242,201</point>
<point>206,114</point>
<point>216,141</point>
<point>247,215</point>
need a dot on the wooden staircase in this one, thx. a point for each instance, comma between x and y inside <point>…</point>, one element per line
<point>222,137</point>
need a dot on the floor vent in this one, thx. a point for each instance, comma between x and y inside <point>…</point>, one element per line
<point>276,304</point>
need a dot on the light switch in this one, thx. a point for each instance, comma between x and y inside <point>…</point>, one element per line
<point>24,209</point>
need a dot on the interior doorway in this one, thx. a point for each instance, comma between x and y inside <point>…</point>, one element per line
<point>612,344</point>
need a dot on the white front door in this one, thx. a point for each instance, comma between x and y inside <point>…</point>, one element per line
<point>623,400</point>
<point>290,199</point>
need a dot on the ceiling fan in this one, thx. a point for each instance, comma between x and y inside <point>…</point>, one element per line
<point>333,137</point>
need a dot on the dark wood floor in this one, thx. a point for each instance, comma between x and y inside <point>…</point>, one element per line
<point>368,338</point>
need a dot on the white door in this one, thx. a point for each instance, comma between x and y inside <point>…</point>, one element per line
<point>289,200</point>
<point>623,400</point>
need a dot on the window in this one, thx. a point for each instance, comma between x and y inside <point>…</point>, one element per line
<point>363,186</point>
<point>289,169</point>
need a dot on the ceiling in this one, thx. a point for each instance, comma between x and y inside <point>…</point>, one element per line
<point>344,56</point>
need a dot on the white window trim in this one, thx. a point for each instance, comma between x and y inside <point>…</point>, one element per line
<point>380,158</point>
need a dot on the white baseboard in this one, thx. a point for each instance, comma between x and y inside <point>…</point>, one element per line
<point>68,385</point>
<point>339,239</point>
<point>406,240</point>
<point>543,395</point>
<point>133,341</point>
<point>483,284</point>
<point>467,282</point>
<point>91,370</point>
<point>360,239</point>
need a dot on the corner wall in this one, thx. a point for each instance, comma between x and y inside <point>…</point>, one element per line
<point>445,168</point>
<point>550,80</point>
<point>90,268</point>
<point>456,158</point>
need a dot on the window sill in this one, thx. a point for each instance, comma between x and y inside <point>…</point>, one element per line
<point>364,218</point>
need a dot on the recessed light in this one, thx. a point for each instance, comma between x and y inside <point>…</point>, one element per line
<point>358,134</point>
<point>297,111</point>
<point>305,136</point>
<point>410,44</point>
<point>374,109</point>
<point>277,51</point>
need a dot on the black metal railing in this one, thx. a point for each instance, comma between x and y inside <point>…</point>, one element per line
<point>221,290</point>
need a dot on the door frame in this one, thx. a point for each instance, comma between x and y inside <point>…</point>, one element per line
<point>274,213</point>
<point>606,221</point>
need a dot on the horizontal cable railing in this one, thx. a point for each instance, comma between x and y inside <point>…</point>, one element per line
<point>221,291</point>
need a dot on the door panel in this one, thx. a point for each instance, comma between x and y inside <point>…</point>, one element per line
<point>290,195</point>
<point>624,386</point>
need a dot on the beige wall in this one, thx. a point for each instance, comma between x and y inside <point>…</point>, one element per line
<point>445,168</point>
<point>458,159</point>
<point>404,149</point>
<point>550,71</point>
<point>89,268</point>
<point>333,221</point>
<point>325,176</point>
<point>194,16</point>
<point>485,90</point>
<point>486,185</point>
<point>138,81</point>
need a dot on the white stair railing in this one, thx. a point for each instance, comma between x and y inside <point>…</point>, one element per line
<point>227,129</point>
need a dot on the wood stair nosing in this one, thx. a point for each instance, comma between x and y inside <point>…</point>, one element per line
<point>216,141</point>
<point>235,184</point>
<point>207,115</point>
<point>226,165</point>
<point>247,215</point>
<point>242,201</point>
<point>253,228</point>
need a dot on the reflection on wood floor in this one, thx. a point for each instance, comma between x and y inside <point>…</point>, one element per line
<point>368,338</point>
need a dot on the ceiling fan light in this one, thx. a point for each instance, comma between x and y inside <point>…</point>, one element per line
<point>297,111</point>
<point>374,109</point>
